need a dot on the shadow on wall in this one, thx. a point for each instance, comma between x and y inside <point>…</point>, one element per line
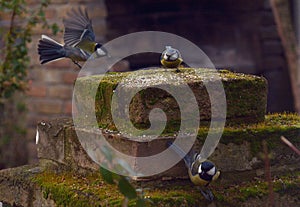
<point>236,35</point>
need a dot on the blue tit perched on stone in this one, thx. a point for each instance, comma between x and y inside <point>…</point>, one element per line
<point>171,58</point>
<point>79,41</point>
<point>201,173</point>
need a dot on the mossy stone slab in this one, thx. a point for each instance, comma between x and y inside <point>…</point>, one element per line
<point>36,186</point>
<point>246,95</point>
<point>238,151</point>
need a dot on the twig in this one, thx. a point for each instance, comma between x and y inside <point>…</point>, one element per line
<point>288,143</point>
<point>268,174</point>
<point>8,39</point>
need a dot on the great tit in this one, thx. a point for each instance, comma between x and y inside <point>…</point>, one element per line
<point>50,50</point>
<point>79,32</point>
<point>78,38</point>
<point>201,173</point>
<point>171,58</point>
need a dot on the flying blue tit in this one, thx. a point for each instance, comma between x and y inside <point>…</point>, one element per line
<point>79,33</point>
<point>171,58</point>
<point>79,41</point>
<point>201,173</point>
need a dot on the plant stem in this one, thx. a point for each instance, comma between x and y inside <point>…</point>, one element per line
<point>268,173</point>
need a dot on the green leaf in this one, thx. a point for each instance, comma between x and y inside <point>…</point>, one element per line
<point>107,153</point>
<point>107,175</point>
<point>140,202</point>
<point>126,188</point>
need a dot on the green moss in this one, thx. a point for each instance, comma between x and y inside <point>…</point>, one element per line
<point>274,126</point>
<point>246,94</point>
<point>261,188</point>
<point>271,129</point>
<point>70,189</point>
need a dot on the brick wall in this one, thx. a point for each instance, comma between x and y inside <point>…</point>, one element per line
<point>239,35</point>
<point>273,63</point>
<point>51,85</point>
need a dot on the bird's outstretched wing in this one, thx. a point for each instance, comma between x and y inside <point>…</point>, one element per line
<point>187,157</point>
<point>78,27</point>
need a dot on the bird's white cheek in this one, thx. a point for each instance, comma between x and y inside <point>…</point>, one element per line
<point>199,169</point>
<point>212,171</point>
<point>100,52</point>
<point>165,56</point>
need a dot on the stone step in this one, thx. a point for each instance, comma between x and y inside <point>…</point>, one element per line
<point>238,152</point>
<point>35,186</point>
<point>246,97</point>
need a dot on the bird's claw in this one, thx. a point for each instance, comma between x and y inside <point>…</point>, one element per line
<point>76,63</point>
<point>207,194</point>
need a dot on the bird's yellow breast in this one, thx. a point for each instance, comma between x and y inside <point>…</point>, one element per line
<point>197,180</point>
<point>171,64</point>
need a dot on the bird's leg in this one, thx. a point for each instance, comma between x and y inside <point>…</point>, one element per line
<point>177,70</point>
<point>76,63</point>
<point>207,194</point>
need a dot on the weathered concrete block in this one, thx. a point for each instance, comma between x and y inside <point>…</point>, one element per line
<point>246,95</point>
<point>58,142</point>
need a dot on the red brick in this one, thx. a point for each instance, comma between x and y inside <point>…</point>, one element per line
<point>50,76</point>
<point>272,47</point>
<point>68,107</point>
<point>61,63</point>
<point>60,91</point>
<point>274,63</point>
<point>59,1</point>
<point>34,118</point>
<point>5,16</point>
<point>30,133</point>
<point>37,90</point>
<point>70,77</point>
<point>50,13</point>
<point>32,152</point>
<point>39,29</point>
<point>97,10</point>
<point>48,106</point>
<point>120,66</point>
<point>33,74</point>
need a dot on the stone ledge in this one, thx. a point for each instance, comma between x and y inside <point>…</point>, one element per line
<point>238,150</point>
<point>32,186</point>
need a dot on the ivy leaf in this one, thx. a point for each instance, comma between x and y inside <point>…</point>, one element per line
<point>55,28</point>
<point>107,153</point>
<point>107,175</point>
<point>140,202</point>
<point>127,189</point>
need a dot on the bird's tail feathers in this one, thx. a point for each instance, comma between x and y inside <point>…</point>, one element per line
<point>186,156</point>
<point>50,50</point>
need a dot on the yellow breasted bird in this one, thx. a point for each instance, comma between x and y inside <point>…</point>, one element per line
<point>201,173</point>
<point>171,58</point>
<point>79,33</point>
<point>79,41</point>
